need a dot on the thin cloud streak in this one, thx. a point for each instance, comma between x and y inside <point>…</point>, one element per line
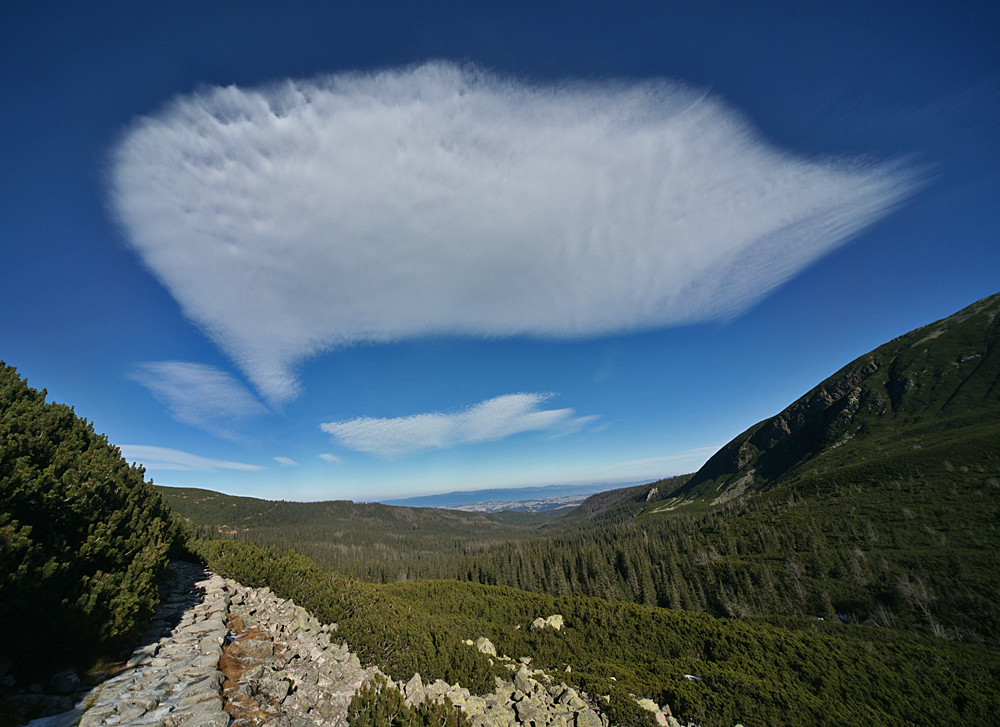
<point>286,461</point>
<point>699,455</point>
<point>164,458</point>
<point>199,395</point>
<point>442,200</point>
<point>487,421</point>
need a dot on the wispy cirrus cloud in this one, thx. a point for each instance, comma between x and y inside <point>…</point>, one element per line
<point>199,395</point>
<point>285,461</point>
<point>489,420</point>
<point>692,458</point>
<point>331,458</point>
<point>164,458</point>
<point>437,199</point>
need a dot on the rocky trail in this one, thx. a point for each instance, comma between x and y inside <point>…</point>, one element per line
<point>219,654</point>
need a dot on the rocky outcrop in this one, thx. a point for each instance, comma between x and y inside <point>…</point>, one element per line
<point>530,698</point>
<point>552,622</point>
<point>282,666</point>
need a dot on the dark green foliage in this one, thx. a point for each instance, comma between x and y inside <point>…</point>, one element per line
<point>622,709</point>
<point>755,671</point>
<point>83,538</point>
<point>376,542</point>
<point>383,631</point>
<point>379,704</point>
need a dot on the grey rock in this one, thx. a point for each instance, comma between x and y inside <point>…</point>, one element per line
<point>143,699</point>
<point>529,710</point>
<point>255,672</point>
<point>414,690</point>
<point>486,646</point>
<point>130,712</point>
<point>523,682</point>
<point>276,689</point>
<point>65,682</point>
<point>198,718</point>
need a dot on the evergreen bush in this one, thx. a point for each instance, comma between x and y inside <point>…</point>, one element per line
<point>83,538</point>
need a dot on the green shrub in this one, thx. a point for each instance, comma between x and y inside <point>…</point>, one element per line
<point>83,538</point>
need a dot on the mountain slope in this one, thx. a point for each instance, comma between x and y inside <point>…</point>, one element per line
<point>935,385</point>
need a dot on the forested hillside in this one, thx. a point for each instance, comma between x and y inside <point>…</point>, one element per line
<point>83,538</point>
<point>376,542</point>
<point>873,499</point>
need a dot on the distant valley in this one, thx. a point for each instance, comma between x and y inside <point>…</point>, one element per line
<point>516,499</point>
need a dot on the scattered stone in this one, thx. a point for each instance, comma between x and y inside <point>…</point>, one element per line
<point>486,646</point>
<point>648,704</point>
<point>553,622</point>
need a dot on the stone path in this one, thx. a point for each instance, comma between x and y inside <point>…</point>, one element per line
<point>218,654</point>
<point>172,678</point>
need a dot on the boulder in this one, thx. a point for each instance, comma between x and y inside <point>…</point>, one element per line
<point>588,718</point>
<point>65,682</point>
<point>523,682</point>
<point>486,646</point>
<point>648,704</point>
<point>553,622</point>
<point>530,710</point>
<point>275,687</point>
<point>414,690</point>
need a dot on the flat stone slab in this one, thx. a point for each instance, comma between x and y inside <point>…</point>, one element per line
<point>167,671</point>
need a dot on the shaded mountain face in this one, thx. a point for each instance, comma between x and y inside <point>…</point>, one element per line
<point>941,380</point>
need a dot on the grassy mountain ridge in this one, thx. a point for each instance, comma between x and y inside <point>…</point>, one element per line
<point>923,386</point>
<point>607,509</point>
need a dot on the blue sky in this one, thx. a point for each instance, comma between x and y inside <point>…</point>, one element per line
<point>363,251</point>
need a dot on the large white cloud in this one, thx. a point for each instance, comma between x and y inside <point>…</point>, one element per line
<point>487,421</point>
<point>305,215</point>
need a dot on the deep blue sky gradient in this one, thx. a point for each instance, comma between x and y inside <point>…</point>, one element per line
<point>917,80</point>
